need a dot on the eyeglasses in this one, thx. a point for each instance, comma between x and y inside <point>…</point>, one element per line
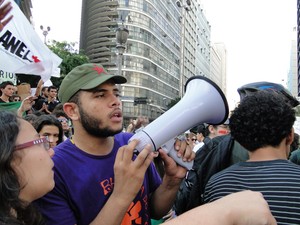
<point>44,140</point>
<point>62,120</point>
<point>194,139</point>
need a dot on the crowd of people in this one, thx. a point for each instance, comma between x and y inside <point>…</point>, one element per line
<point>96,170</point>
<point>65,160</point>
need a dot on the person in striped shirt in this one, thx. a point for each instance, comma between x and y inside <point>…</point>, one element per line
<point>263,124</point>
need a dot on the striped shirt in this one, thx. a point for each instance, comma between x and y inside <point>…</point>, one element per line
<point>277,180</point>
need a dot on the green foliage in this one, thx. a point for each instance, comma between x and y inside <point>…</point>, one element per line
<point>70,58</point>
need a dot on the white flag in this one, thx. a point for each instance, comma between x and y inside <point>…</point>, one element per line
<point>21,49</point>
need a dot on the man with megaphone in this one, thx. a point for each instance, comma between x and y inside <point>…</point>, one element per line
<point>99,179</point>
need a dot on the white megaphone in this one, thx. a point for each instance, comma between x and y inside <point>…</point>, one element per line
<point>203,102</point>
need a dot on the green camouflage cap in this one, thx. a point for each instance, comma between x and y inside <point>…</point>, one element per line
<point>85,77</point>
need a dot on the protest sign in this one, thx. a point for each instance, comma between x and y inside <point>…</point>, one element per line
<point>22,50</point>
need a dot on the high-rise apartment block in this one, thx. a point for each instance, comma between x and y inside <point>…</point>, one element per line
<point>168,42</point>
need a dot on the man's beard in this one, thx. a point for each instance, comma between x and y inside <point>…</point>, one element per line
<point>92,126</point>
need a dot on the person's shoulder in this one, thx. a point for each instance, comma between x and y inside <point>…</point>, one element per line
<point>222,138</point>
<point>198,146</point>
<point>223,173</point>
<point>295,157</point>
<point>295,153</point>
<point>41,99</point>
<point>294,165</point>
<point>63,149</point>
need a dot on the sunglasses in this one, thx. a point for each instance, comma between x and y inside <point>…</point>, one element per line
<point>194,139</point>
<point>62,120</point>
<point>44,141</point>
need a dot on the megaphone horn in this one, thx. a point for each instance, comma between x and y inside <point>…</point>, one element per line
<point>203,102</point>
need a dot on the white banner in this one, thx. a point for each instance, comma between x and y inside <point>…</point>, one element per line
<point>21,49</point>
<point>5,76</point>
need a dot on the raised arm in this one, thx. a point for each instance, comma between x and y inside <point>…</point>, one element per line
<point>4,10</point>
<point>241,208</point>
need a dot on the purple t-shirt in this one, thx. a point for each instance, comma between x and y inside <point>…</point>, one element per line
<point>84,182</point>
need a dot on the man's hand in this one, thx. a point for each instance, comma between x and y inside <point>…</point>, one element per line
<point>4,10</point>
<point>185,150</point>
<point>129,174</point>
<point>26,105</point>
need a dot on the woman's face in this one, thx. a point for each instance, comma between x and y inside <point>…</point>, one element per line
<point>64,123</point>
<point>32,164</point>
<point>52,132</point>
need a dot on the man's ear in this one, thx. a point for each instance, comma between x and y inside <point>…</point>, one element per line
<point>71,109</point>
<point>211,129</point>
<point>290,137</point>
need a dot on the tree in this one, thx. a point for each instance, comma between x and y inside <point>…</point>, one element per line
<point>70,58</point>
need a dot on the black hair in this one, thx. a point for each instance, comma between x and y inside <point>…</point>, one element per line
<point>30,118</point>
<point>12,209</point>
<point>262,119</point>
<point>48,119</point>
<point>59,113</point>
<point>52,87</point>
<point>58,108</point>
<point>44,88</point>
<point>75,98</point>
<point>201,129</point>
<point>4,84</point>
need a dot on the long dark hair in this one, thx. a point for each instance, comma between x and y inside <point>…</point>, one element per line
<point>43,120</point>
<point>12,209</point>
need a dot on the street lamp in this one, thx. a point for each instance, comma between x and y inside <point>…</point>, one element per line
<point>121,39</point>
<point>185,9</point>
<point>45,32</point>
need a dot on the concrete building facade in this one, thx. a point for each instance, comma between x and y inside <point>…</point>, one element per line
<point>168,42</point>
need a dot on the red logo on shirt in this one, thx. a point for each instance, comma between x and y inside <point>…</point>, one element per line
<point>107,186</point>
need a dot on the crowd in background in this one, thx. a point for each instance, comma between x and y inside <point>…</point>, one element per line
<point>40,123</point>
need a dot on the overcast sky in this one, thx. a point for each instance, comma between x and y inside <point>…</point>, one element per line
<point>257,34</point>
<point>63,17</point>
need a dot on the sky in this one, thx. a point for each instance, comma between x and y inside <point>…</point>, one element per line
<point>257,34</point>
<point>62,16</point>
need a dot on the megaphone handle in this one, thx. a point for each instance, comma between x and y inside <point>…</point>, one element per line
<point>169,148</point>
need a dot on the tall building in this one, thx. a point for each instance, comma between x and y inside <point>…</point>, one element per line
<point>218,65</point>
<point>298,45</point>
<point>168,42</point>
<point>292,84</point>
<point>25,6</point>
